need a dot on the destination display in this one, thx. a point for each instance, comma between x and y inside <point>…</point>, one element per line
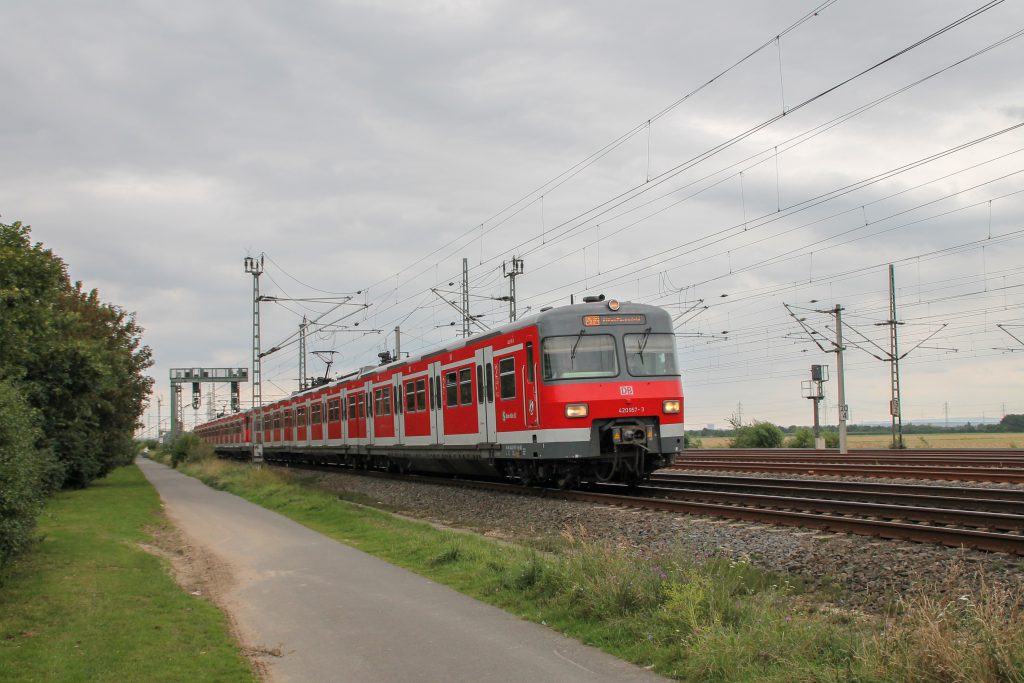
<point>624,319</point>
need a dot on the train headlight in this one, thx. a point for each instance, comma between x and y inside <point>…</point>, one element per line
<point>671,406</point>
<point>576,410</point>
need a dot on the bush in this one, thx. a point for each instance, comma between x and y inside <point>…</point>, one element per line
<point>691,441</point>
<point>188,447</point>
<point>757,435</point>
<point>27,473</point>
<point>802,438</point>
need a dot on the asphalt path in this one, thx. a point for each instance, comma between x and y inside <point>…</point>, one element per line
<point>338,614</point>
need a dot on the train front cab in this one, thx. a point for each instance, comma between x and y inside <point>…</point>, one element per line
<point>610,396</point>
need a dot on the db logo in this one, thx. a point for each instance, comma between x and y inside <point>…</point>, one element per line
<point>626,390</point>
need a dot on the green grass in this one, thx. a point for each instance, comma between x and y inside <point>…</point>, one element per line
<point>87,604</point>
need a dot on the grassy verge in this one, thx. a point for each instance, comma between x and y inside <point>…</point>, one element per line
<point>87,604</point>
<point>721,621</point>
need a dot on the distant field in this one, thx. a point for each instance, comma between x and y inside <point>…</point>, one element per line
<point>982,440</point>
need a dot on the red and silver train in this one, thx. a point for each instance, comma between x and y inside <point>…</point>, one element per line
<point>588,392</point>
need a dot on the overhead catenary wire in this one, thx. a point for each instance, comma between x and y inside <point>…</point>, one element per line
<point>483,279</point>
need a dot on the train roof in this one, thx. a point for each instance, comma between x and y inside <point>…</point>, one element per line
<point>560,316</point>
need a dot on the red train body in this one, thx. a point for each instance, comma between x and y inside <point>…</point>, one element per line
<point>589,392</point>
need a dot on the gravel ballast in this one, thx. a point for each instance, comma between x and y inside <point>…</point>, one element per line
<point>868,572</point>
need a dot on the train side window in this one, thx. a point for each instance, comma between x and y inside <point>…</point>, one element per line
<point>385,401</point>
<point>479,384</point>
<point>529,361</point>
<point>360,405</point>
<point>352,406</point>
<point>437,393</point>
<point>314,414</point>
<point>288,419</point>
<point>410,397</point>
<point>451,390</point>
<point>507,378</point>
<point>490,383</point>
<point>465,386</point>
<point>421,395</point>
<point>399,405</point>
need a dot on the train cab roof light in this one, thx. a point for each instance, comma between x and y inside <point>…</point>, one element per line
<point>613,304</point>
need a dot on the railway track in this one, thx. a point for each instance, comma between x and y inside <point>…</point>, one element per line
<point>964,497</point>
<point>960,465</point>
<point>950,516</point>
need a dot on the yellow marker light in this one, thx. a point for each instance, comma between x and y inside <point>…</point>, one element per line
<point>577,410</point>
<point>670,406</point>
<point>613,304</point>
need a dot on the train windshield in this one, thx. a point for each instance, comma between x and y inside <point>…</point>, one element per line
<point>650,354</point>
<point>579,356</point>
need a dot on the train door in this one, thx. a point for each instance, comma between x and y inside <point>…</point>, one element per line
<point>531,402</point>
<point>370,432</point>
<point>436,410</point>
<point>305,425</point>
<point>345,422</point>
<point>359,410</point>
<point>324,424</point>
<point>398,407</point>
<point>486,417</point>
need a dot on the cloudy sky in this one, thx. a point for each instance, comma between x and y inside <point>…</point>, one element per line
<point>718,159</point>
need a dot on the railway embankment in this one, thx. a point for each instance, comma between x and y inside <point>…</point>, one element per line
<point>696,599</point>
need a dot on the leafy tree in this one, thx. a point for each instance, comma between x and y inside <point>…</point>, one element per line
<point>757,435</point>
<point>1012,423</point>
<point>77,361</point>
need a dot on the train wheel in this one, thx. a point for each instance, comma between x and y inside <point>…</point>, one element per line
<point>568,477</point>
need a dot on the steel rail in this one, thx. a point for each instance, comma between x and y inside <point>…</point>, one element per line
<point>1006,461</point>
<point>975,498</point>
<point>946,490</point>
<point>867,452</point>
<point>1014,476</point>
<point>1005,521</point>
